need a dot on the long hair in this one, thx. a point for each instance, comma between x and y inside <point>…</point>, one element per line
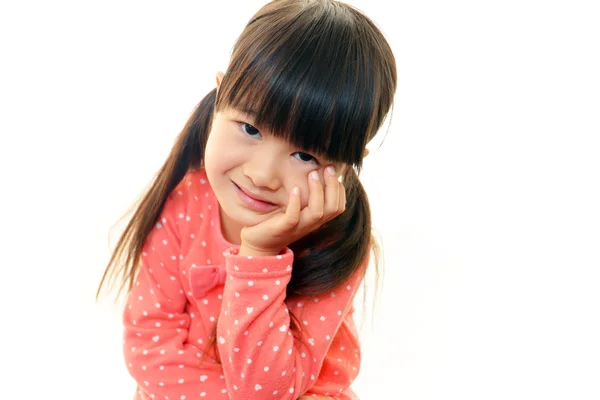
<point>317,73</point>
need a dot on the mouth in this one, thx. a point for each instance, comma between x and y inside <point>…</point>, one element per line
<point>252,201</point>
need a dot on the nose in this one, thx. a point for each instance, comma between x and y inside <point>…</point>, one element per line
<point>263,171</point>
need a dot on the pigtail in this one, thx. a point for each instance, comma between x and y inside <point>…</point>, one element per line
<point>187,153</point>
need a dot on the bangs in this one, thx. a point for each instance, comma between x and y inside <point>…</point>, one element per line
<point>304,81</point>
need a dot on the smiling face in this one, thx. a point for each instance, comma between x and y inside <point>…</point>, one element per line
<point>252,172</point>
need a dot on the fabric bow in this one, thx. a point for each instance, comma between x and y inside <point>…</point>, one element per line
<point>204,278</point>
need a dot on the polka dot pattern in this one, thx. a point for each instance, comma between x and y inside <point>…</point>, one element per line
<point>192,281</point>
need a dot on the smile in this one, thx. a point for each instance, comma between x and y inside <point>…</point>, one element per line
<point>253,202</point>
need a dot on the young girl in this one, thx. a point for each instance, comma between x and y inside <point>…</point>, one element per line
<point>243,259</point>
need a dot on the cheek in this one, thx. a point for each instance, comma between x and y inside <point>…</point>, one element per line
<point>216,147</point>
<point>211,159</point>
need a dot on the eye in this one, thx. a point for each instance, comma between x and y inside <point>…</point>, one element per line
<point>249,130</point>
<point>305,157</point>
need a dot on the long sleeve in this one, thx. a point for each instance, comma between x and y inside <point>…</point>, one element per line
<point>156,322</point>
<point>261,357</point>
<point>341,364</point>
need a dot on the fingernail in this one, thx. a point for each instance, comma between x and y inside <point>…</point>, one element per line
<point>330,170</point>
<point>314,175</point>
<point>295,190</point>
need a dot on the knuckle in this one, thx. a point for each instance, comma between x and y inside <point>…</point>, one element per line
<point>292,220</point>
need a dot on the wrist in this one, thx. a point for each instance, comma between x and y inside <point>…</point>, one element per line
<point>246,250</point>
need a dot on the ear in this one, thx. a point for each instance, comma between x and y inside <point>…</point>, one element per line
<point>365,153</point>
<point>220,76</point>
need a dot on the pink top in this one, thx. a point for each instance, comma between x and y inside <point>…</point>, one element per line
<point>191,280</point>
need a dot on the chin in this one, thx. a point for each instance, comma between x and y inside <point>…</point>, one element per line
<point>243,216</point>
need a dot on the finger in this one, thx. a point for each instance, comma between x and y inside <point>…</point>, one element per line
<point>292,212</point>
<point>316,196</point>
<point>332,192</point>
<point>342,198</point>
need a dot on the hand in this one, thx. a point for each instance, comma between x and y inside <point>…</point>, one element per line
<point>270,237</point>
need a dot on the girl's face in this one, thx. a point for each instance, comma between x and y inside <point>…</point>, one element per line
<point>253,172</point>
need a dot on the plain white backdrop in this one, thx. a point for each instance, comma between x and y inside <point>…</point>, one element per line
<point>485,191</point>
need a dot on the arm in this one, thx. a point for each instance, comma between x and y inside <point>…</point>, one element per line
<point>156,323</point>
<point>341,365</point>
<point>259,353</point>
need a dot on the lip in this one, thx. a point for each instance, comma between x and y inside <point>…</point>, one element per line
<point>252,202</point>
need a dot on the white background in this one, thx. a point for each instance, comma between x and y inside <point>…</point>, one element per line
<point>486,190</point>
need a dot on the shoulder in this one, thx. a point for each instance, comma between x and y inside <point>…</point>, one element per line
<point>189,201</point>
<point>193,190</point>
